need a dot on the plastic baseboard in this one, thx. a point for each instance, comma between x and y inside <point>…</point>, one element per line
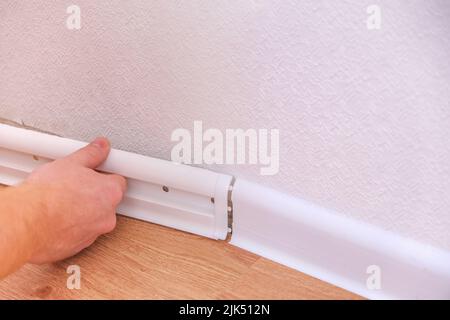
<point>285,229</point>
<point>336,249</point>
<point>175,195</point>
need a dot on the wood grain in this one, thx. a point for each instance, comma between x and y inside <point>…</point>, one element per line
<point>141,260</point>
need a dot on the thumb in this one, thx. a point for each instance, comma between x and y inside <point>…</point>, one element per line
<point>92,155</point>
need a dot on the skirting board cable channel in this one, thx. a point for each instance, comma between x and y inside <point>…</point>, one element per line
<point>175,195</point>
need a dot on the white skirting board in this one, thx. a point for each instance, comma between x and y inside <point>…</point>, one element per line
<point>285,229</point>
<point>336,249</point>
<point>179,196</point>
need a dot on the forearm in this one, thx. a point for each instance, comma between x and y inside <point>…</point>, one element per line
<point>19,218</point>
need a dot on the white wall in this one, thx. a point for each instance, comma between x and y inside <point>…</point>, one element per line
<point>364,116</point>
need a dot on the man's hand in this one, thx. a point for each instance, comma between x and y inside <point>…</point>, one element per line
<point>61,208</point>
<point>78,204</point>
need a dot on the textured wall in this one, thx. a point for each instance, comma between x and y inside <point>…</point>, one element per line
<point>364,115</point>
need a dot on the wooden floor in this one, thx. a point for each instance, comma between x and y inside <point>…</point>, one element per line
<point>141,260</point>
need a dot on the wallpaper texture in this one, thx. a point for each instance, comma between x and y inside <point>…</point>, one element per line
<point>364,115</point>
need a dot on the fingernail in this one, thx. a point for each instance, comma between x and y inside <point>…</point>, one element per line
<point>100,142</point>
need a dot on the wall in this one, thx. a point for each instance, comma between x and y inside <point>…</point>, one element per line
<point>364,116</point>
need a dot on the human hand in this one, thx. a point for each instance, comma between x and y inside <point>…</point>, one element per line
<point>74,203</point>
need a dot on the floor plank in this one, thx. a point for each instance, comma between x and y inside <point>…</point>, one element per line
<point>141,260</point>
<point>269,280</point>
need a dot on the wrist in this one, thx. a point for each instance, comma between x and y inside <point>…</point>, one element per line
<point>18,227</point>
<point>30,220</point>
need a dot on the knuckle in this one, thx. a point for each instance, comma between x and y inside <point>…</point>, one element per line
<point>110,223</point>
<point>124,183</point>
<point>116,193</point>
<point>117,189</point>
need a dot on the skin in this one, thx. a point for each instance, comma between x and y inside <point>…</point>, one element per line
<point>59,210</point>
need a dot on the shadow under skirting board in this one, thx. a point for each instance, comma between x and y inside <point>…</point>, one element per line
<point>336,249</point>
